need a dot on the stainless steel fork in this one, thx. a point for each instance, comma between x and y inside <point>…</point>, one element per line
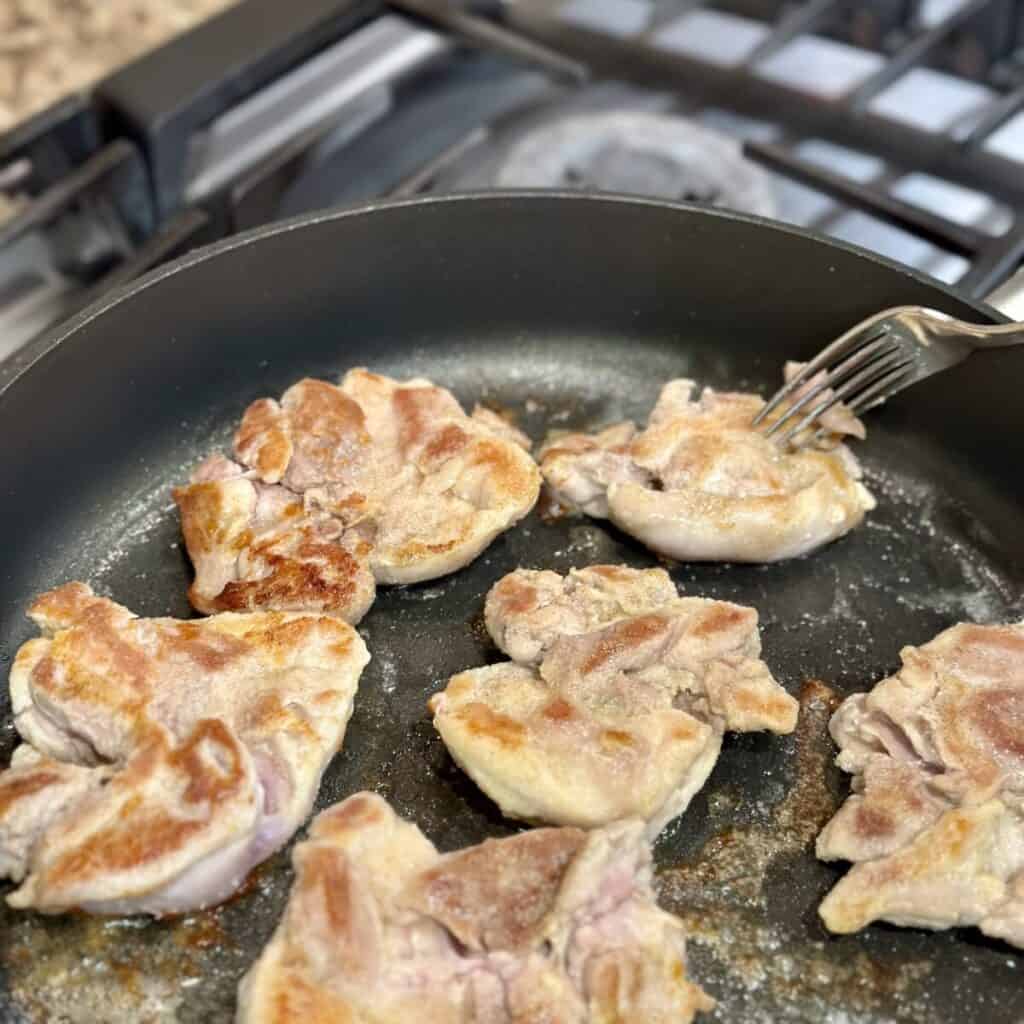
<point>873,361</point>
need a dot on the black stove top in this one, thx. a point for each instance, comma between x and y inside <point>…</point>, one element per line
<point>894,124</point>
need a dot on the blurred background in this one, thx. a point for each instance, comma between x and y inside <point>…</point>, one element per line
<point>49,48</point>
<point>133,130</point>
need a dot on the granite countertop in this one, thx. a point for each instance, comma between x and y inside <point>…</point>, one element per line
<point>49,48</point>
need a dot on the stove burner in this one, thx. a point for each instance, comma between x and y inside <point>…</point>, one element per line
<point>641,154</point>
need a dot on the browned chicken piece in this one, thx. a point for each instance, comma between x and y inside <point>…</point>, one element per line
<point>335,488</point>
<point>554,925</point>
<point>34,792</point>
<point>528,610</point>
<point>254,547</point>
<point>581,469</point>
<point>449,483</point>
<point>166,758</point>
<point>618,699</point>
<point>935,826</point>
<point>498,424</point>
<point>700,484</point>
<point>839,420</point>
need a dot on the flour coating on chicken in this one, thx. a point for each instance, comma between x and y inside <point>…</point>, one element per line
<point>700,484</point>
<point>164,759</point>
<point>336,488</point>
<point>552,925</point>
<point>935,825</point>
<point>617,699</point>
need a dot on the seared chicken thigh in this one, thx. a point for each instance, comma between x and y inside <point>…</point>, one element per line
<point>527,610</point>
<point>554,925</point>
<point>166,758</point>
<point>617,701</point>
<point>335,488</point>
<point>700,484</point>
<point>254,547</point>
<point>935,825</point>
<point>34,792</point>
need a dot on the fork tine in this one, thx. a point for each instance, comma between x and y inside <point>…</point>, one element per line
<point>876,394</point>
<point>840,347</point>
<point>832,378</point>
<point>880,369</point>
<point>880,391</point>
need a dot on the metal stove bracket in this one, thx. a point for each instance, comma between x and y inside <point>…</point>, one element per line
<point>914,53</point>
<point>177,90</point>
<point>118,165</point>
<point>174,238</point>
<point>93,228</point>
<point>959,154</point>
<point>318,93</point>
<point>256,196</point>
<point>422,178</point>
<point>489,35</point>
<point>805,18</point>
<point>263,144</point>
<point>992,257</point>
<point>52,143</point>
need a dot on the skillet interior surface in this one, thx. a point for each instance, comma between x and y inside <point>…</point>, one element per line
<point>565,312</point>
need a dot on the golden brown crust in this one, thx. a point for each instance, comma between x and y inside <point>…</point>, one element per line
<point>480,721</point>
<point>262,440</point>
<point>444,444</point>
<point>16,786</point>
<point>330,881</point>
<point>615,573</point>
<point>772,707</point>
<point>514,595</point>
<point>543,756</point>
<point>361,811</point>
<point>313,574</point>
<point>341,485</point>
<point>499,895</point>
<point>720,617</point>
<point>622,637</point>
<point>324,411</point>
<point>616,700</point>
<point>315,423</point>
<point>209,769</point>
<point>553,925</point>
<point>63,606</point>
<point>617,982</point>
<point>906,884</point>
<point>559,710</point>
<point>101,660</point>
<point>934,823</point>
<point>699,483</point>
<point>295,999</point>
<point>210,520</point>
<point>416,411</point>
<point>209,736</point>
<point>513,478</point>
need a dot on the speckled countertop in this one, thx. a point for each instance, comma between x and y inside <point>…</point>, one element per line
<point>49,48</point>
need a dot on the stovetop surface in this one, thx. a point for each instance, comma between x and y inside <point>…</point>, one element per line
<point>899,130</point>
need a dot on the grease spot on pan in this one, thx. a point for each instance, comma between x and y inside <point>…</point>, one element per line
<point>726,890</point>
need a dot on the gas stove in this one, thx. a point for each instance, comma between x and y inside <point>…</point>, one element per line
<point>894,124</point>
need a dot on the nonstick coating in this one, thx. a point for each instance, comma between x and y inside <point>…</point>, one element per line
<point>566,312</point>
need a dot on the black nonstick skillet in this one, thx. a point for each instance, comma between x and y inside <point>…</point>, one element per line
<point>565,311</point>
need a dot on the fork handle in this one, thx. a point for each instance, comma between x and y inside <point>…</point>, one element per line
<point>994,335</point>
<point>1008,298</point>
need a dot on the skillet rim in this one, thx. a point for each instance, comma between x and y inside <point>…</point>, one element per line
<point>51,341</point>
<point>36,350</point>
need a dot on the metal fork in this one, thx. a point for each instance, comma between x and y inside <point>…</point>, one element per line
<point>875,360</point>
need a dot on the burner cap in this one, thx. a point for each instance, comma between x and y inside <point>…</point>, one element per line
<point>641,154</point>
